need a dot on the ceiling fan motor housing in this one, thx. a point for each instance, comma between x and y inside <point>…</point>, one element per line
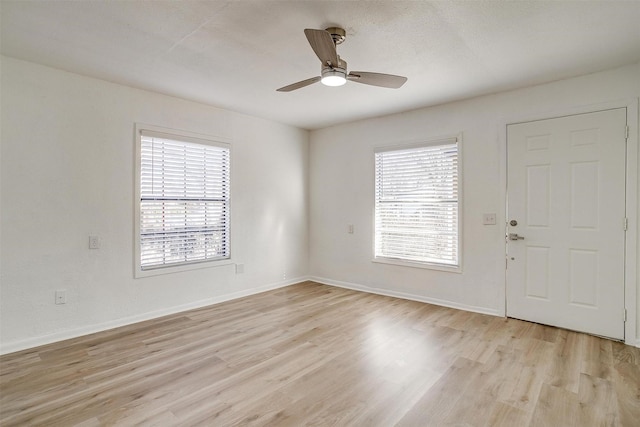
<point>342,66</point>
<point>337,34</point>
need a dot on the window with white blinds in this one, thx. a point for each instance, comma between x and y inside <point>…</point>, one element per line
<point>184,200</point>
<point>416,204</point>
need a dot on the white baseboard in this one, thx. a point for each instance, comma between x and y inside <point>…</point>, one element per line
<point>403,295</point>
<point>66,334</point>
<point>19,345</point>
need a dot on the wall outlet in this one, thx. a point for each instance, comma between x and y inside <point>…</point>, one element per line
<point>94,242</point>
<point>489,219</point>
<point>61,296</point>
<point>350,228</point>
<point>239,268</point>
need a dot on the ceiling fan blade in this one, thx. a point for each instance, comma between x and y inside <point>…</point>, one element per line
<point>322,44</point>
<point>377,79</point>
<point>299,85</point>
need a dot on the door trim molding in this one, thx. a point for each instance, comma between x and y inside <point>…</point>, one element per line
<point>631,284</point>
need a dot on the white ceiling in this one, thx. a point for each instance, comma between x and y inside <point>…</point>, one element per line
<point>234,54</point>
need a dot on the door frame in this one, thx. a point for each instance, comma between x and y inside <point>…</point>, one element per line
<point>631,201</point>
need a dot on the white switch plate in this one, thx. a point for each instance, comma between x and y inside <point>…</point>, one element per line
<point>489,219</point>
<point>350,228</point>
<point>239,268</point>
<point>94,242</point>
<point>61,296</point>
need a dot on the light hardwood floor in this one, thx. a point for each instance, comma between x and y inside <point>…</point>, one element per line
<point>311,354</point>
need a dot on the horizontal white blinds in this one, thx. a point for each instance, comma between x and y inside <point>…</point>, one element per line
<point>416,204</point>
<point>184,201</point>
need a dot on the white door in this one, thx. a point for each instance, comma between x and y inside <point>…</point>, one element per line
<point>566,208</point>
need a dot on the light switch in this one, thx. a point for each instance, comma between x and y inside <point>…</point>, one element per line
<point>489,219</point>
<point>61,296</point>
<point>94,242</point>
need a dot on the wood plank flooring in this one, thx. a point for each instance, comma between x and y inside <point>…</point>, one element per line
<point>311,354</point>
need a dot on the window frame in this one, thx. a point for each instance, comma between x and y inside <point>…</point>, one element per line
<point>443,140</point>
<point>189,137</point>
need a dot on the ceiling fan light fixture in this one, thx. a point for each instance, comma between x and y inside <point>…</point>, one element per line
<point>333,77</point>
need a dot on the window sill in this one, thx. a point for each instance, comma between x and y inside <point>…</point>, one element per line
<point>180,268</point>
<point>423,265</point>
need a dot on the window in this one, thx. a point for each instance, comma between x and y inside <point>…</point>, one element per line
<point>416,205</point>
<point>184,188</point>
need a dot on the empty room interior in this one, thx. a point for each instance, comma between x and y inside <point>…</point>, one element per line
<point>209,216</point>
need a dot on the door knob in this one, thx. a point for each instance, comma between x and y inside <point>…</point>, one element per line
<point>514,236</point>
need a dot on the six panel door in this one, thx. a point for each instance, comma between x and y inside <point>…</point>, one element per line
<point>566,197</point>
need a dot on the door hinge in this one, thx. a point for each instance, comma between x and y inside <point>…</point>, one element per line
<point>626,132</point>
<point>625,224</point>
<point>624,315</point>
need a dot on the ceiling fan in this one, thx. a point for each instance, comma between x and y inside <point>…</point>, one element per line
<point>334,70</point>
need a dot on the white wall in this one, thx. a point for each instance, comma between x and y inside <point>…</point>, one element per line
<point>341,188</point>
<point>67,172</point>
